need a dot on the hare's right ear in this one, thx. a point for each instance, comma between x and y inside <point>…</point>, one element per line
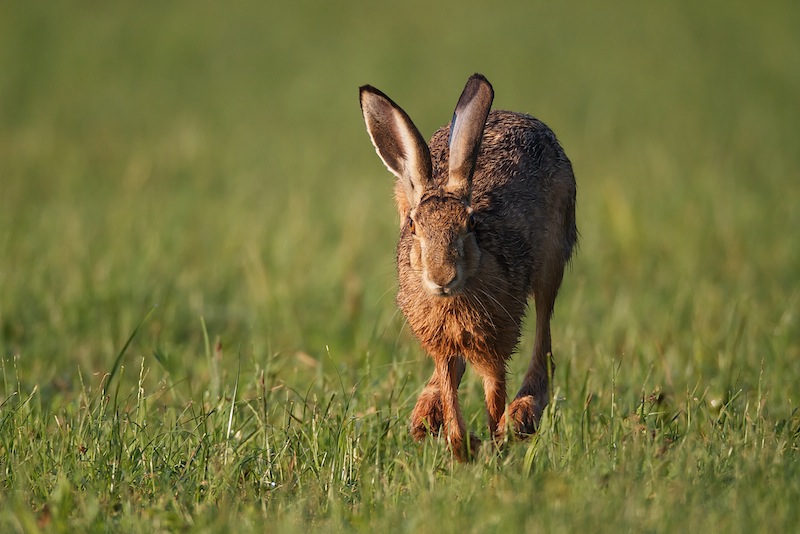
<point>466,131</point>
<point>397,141</point>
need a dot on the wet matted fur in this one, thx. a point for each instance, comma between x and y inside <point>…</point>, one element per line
<point>487,220</point>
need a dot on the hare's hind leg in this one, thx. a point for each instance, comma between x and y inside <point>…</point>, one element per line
<point>427,416</point>
<point>526,409</point>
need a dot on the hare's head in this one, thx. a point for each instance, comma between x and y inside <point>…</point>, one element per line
<point>444,251</point>
<point>435,211</point>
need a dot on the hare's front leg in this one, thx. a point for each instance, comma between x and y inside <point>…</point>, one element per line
<point>493,374</point>
<point>427,417</point>
<point>464,446</point>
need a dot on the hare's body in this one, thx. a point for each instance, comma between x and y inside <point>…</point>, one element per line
<point>487,220</point>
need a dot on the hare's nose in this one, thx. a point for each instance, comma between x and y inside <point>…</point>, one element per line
<point>442,282</point>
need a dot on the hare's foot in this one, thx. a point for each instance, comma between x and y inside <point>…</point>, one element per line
<point>427,416</point>
<point>522,416</point>
<point>467,449</point>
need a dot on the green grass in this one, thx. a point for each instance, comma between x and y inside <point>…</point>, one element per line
<point>197,326</point>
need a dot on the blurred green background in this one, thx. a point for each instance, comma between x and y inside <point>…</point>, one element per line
<point>202,168</point>
<point>210,160</point>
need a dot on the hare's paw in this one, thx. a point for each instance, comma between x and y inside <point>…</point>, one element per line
<point>427,415</point>
<point>522,416</point>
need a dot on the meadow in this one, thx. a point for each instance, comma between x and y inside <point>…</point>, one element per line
<point>197,320</point>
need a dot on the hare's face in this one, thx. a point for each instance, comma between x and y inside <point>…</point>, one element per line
<point>444,253</point>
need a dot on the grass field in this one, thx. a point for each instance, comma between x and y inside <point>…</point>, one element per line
<point>197,324</point>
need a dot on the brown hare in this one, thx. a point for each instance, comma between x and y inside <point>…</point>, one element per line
<point>487,219</point>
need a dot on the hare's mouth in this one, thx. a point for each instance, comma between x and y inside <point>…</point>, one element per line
<point>445,291</point>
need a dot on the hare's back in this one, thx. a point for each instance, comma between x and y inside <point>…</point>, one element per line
<point>519,158</point>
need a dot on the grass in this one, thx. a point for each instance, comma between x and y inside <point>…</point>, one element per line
<point>197,326</point>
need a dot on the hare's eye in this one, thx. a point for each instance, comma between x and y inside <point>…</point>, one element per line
<point>471,222</point>
<point>411,227</point>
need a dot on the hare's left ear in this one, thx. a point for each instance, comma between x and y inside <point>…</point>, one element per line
<point>466,131</point>
<point>398,142</point>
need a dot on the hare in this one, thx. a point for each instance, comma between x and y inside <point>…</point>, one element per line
<point>487,219</point>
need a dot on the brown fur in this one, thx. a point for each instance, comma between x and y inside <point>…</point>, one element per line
<point>464,291</point>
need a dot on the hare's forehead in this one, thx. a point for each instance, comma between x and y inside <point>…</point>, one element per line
<point>441,209</point>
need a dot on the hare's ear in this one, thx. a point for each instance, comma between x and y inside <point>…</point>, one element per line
<point>397,141</point>
<point>466,131</point>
